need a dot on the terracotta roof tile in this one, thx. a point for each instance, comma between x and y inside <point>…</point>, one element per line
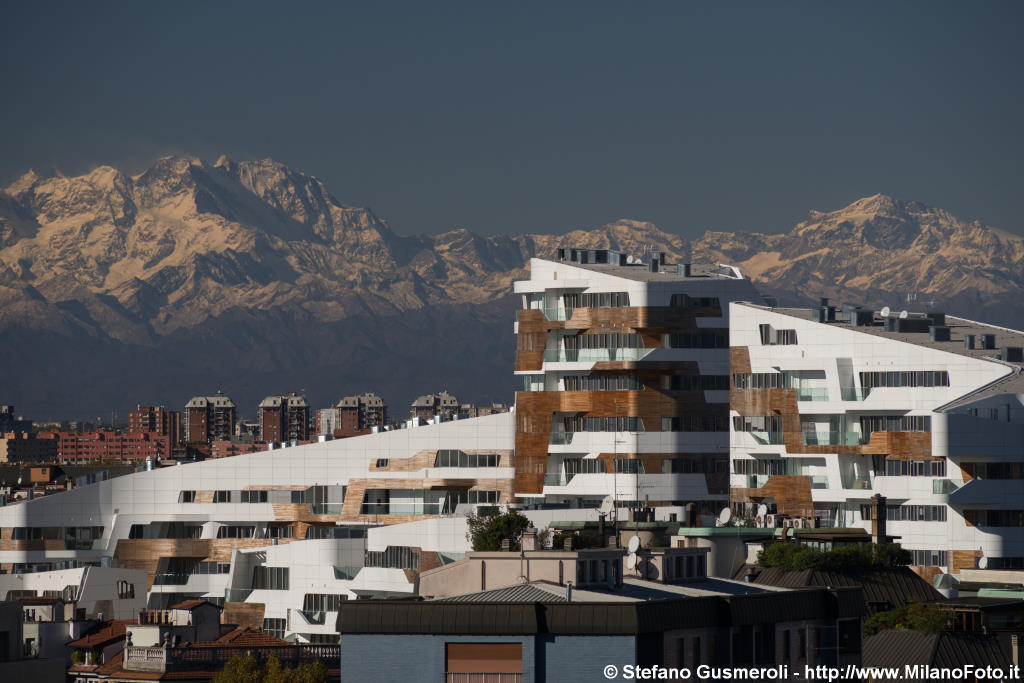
<point>110,631</point>
<point>246,636</point>
<point>191,604</point>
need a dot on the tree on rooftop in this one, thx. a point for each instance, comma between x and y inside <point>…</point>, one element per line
<point>489,528</point>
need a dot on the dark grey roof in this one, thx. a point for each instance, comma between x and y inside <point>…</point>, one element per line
<point>899,648</point>
<point>524,592</point>
<point>648,616</point>
<point>893,586</point>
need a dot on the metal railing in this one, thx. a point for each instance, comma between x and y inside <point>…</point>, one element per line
<point>819,481</point>
<point>944,486</point>
<point>561,438</point>
<point>236,594</point>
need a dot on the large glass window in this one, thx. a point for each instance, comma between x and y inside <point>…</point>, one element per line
<point>270,578</point>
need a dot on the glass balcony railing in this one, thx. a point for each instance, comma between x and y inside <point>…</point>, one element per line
<point>819,481</point>
<point>558,478</point>
<point>561,438</point>
<point>756,481</point>
<point>170,579</point>
<point>550,313</point>
<point>768,438</point>
<point>401,508</point>
<point>833,439</point>
<point>325,508</point>
<point>345,573</point>
<point>316,618</point>
<point>854,393</point>
<point>593,355</point>
<point>944,486</point>
<point>236,594</point>
<point>812,394</point>
<point>858,483</point>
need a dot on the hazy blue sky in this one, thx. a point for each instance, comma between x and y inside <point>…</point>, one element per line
<point>512,117</point>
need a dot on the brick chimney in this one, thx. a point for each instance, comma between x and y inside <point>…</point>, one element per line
<point>878,533</point>
<point>529,540</point>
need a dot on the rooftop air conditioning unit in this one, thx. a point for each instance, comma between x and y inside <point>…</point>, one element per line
<point>773,521</point>
<point>799,523</point>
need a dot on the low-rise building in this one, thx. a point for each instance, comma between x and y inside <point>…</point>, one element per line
<point>18,447</point>
<point>108,445</point>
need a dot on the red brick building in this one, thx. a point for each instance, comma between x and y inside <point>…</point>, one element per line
<point>283,418</point>
<point>209,418</point>
<point>103,445</point>
<point>157,419</point>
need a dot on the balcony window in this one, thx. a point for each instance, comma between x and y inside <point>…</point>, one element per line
<point>254,496</point>
<point>270,578</point>
<point>222,496</point>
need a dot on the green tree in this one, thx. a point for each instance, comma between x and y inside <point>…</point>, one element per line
<point>239,669</point>
<point>791,555</point>
<point>275,672</point>
<point>310,672</point>
<point>486,530</point>
<point>915,616</point>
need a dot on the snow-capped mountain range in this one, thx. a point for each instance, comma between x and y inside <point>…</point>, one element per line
<point>251,276</point>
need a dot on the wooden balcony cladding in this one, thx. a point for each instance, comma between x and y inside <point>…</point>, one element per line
<point>965,559</point>
<point>782,402</point>
<point>791,493</point>
<point>535,411</point>
<point>739,360</point>
<point>145,553</point>
<point>648,321</point>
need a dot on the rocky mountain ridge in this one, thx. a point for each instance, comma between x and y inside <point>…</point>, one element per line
<point>238,269</point>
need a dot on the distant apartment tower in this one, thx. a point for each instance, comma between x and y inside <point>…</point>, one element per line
<point>357,414</point>
<point>209,418</point>
<point>9,423</point>
<point>429,405</point>
<point>625,370</point>
<point>284,417</point>
<point>157,419</point>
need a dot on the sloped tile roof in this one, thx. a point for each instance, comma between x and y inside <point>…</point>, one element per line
<point>898,648</point>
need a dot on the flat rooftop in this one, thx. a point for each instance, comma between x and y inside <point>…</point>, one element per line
<point>611,262</point>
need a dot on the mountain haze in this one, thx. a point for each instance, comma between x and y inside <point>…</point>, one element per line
<point>253,277</point>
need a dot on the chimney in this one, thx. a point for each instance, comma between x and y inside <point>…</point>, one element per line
<point>683,269</point>
<point>568,597</point>
<point>878,534</point>
<point>529,540</point>
<point>1017,650</point>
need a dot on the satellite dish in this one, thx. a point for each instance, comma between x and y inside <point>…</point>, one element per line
<point>904,315</point>
<point>886,311</point>
<point>631,560</point>
<point>983,563</point>
<point>606,505</point>
<point>724,516</point>
<point>762,510</point>
<point>634,544</point>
